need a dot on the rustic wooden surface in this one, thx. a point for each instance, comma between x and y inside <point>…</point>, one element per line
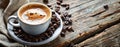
<point>110,37</point>
<point>89,17</point>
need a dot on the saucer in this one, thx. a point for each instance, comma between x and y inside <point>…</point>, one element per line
<point>51,38</point>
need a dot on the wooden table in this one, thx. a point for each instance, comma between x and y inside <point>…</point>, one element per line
<point>96,23</point>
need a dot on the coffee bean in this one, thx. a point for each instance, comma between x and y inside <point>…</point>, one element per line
<point>14,30</point>
<point>64,5</point>
<point>16,21</point>
<point>65,14</point>
<point>62,34</point>
<point>52,31</point>
<point>48,5</point>
<point>47,35</point>
<point>45,1</point>
<point>67,8</point>
<point>69,28</point>
<point>59,12</point>
<point>64,29</point>
<point>51,8</point>
<point>70,21</point>
<point>58,3</point>
<point>55,25</point>
<point>53,13</point>
<point>69,15</point>
<point>58,23</point>
<point>19,30</point>
<point>57,8</point>
<point>63,18</point>
<point>66,23</point>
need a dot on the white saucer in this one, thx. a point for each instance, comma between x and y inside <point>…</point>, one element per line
<point>54,35</point>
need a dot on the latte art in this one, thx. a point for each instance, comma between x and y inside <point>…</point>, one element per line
<point>34,16</point>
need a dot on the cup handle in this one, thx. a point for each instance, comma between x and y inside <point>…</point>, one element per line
<point>11,21</point>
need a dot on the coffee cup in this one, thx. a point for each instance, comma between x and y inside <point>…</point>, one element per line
<point>34,18</point>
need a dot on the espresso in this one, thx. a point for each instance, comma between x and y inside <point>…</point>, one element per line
<point>34,16</point>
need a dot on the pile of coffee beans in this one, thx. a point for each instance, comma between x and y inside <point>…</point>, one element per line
<point>55,22</point>
<point>67,27</point>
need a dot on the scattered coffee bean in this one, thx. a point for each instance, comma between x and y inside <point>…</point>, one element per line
<point>57,8</point>
<point>58,3</point>
<point>64,5</point>
<point>55,25</point>
<point>45,1</point>
<point>47,34</point>
<point>66,23</point>
<point>59,12</point>
<point>65,14</point>
<point>16,21</point>
<point>53,13</point>
<point>69,15</point>
<point>70,21</point>
<point>48,5</point>
<point>63,18</point>
<point>67,8</point>
<point>62,34</point>
<point>69,28</point>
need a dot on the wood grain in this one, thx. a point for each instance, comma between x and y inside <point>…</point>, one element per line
<point>89,17</point>
<point>110,37</point>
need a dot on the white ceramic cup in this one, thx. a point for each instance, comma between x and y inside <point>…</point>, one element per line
<point>33,29</point>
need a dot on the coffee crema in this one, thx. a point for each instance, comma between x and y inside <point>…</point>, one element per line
<point>34,16</point>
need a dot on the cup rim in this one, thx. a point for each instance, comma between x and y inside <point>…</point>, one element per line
<point>38,4</point>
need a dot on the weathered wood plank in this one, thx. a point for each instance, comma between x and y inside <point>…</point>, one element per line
<point>89,17</point>
<point>108,38</point>
<point>84,23</point>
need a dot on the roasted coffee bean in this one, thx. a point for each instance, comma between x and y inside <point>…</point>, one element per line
<point>69,28</point>
<point>47,34</point>
<point>45,1</point>
<point>66,23</point>
<point>59,12</point>
<point>53,13</point>
<point>58,3</point>
<point>64,29</point>
<point>55,25</point>
<point>62,34</point>
<point>58,23</point>
<point>51,8</point>
<point>52,32</point>
<point>65,14</point>
<point>67,8</point>
<point>64,5</point>
<point>14,30</point>
<point>48,5</point>
<point>19,30</point>
<point>16,21</point>
<point>70,21</point>
<point>57,8</point>
<point>63,18</point>
<point>69,15</point>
